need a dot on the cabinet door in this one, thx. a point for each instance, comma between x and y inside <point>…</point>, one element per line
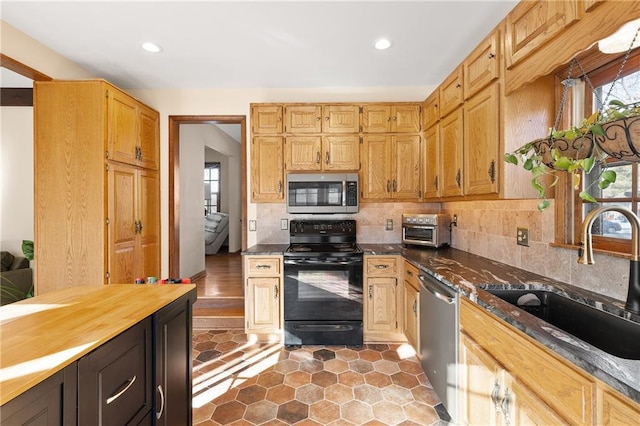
<point>303,153</point>
<point>148,216</point>
<point>266,119</point>
<point>173,371</point>
<point>615,409</point>
<point>341,119</point>
<point>114,381</point>
<point>122,127</point>
<point>149,139</point>
<point>52,402</point>
<point>376,118</point>
<point>380,305</point>
<point>405,119</point>
<point>122,224</point>
<point>526,408</point>
<point>267,169</point>
<point>451,154</point>
<point>432,109</point>
<point>341,152</point>
<point>481,142</point>
<point>411,319</point>
<point>303,119</point>
<point>406,173</point>
<point>451,92</point>
<point>263,305</point>
<point>431,162</point>
<point>376,167</point>
<point>532,24</point>
<point>482,66</point>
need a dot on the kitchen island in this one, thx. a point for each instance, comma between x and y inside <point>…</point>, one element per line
<point>53,332</point>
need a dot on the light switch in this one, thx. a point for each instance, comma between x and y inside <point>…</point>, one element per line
<point>284,224</point>
<point>389,226</point>
<point>252,225</point>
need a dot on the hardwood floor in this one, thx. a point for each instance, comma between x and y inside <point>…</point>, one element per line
<point>220,302</point>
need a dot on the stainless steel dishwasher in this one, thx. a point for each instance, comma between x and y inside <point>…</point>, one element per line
<point>439,328</point>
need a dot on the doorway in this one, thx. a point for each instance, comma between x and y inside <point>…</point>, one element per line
<point>174,179</point>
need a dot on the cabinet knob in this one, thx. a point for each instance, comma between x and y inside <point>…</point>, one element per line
<point>492,55</point>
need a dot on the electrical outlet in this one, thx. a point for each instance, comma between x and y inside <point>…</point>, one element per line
<point>523,237</point>
<point>284,224</point>
<point>389,225</point>
<point>252,225</point>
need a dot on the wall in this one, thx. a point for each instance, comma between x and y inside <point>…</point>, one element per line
<point>16,178</point>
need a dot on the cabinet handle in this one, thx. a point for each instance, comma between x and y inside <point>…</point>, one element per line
<point>275,291</point>
<point>395,186</point>
<point>125,387</point>
<point>381,266</point>
<point>495,396</point>
<point>263,266</point>
<point>415,308</point>
<point>326,158</point>
<point>492,171</point>
<point>435,183</point>
<point>279,186</point>
<point>370,292</point>
<point>388,185</point>
<point>318,157</point>
<point>458,178</point>
<point>159,413</point>
<point>506,404</point>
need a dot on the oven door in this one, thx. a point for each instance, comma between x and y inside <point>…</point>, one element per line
<point>320,289</point>
<point>420,235</point>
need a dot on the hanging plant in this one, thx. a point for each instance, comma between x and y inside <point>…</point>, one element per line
<point>618,131</point>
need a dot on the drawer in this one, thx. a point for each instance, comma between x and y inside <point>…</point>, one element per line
<point>380,266</point>
<point>410,275</point>
<point>115,383</point>
<point>263,266</point>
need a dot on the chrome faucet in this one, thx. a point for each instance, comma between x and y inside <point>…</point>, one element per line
<point>585,253</point>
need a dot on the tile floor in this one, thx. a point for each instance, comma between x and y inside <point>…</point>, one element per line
<point>243,383</point>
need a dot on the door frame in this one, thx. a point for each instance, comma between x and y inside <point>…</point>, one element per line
<point>174,178</point>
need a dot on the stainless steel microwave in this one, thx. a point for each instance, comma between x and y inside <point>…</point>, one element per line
<point>322,193</point>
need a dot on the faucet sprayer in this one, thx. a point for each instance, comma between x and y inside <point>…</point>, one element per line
<point>585,253</point>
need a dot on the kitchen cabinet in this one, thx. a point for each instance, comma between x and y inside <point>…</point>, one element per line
<point>115,380</point>
<point>531,24</point>
<point>263,298</point>
<point>322,153</point>
<point>411,305</point>
<point>135,200</point>
<point>537,385</point>
<point>481,141</point>
<point>451,92</point>
<point>267,168</point>
<point>266,119</point>
<point>483,65</point>
<point>381,299</point>
<point>431,109</point>
<point>615,408</point>
<point>50,402</point>
<point>391,168</point>
<point>88,136</point>
<point>451,155</point>
<point>391,118</point>
<point>431,161</point>
<point>317,118</point>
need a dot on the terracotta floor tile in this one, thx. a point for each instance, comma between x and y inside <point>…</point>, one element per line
<point>293,411</point>
<point>311,365</point>
<point>405,380</point>
<point>251,394</point>
<point>388,412</point>
<point>229,412</point>
<point>397,394</point>
<point>377,379</point>
<point>369,394</point>
<point>281,394</point>
<point>370,355</point>
<point>336,365</point>
<point>324,412</point>
<point>356,412</point>
<point>386,367</point>
<point>287,366</point>
<point>271,379</point>
<point>297,379</point>
<point>420,413</point>
<point>310,393</point>
<point>324,378</point>
<point>361,366</point>
<point>351,378</point>
<point>261,412</point>
<point>347,354</point>
<point>338,393</point>
<point>411,367</point>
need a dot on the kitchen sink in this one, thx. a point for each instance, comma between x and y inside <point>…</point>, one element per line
<point>612,334</point>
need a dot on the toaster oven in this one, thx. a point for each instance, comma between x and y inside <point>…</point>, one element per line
<point>426,229</point>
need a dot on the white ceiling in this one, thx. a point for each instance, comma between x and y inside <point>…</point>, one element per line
<point>261,44</point>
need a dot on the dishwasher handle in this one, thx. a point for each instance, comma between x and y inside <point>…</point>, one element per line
<point>429,286</point>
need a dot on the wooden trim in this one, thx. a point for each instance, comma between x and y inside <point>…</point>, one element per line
<point>174,178</point>
<point>16,96</point>
<point>22,69</point>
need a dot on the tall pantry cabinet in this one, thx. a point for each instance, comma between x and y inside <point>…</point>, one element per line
<point>97,186</point>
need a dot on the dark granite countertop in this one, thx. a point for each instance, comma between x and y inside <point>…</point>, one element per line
<point>471,274</point>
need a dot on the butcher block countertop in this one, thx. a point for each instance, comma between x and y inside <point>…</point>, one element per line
<point>42,335</point>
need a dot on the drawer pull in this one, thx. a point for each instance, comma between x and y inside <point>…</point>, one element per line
<point>381,266</point>
<point>263,266</point>
<point>125,387</point>
<point>159,413</point>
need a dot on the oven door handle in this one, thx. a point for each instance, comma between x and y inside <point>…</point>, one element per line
<point>322,262</point>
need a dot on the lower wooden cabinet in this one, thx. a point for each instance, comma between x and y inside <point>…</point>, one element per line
<point>411,304</point>
<point>263,295</point>
<point>382,299</point>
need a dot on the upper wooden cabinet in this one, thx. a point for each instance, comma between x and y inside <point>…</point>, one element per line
<point>531,24</point>
<point>391,118</point>
<point>451,155</point>
<point>340,119</point>
<point>315,153</point>
<point>132,131</point>
<point>266,119</point>
<point>303,119</point>
<point>431,163</point>
<point>482,66</point>
<point>87,135</point>
<point>451,92</point>
<point>431,109</point>
<point>267,168</point>
<point>310,118</point>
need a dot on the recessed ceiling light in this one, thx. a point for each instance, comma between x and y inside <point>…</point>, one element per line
<point>151,47</point>
<point>382,44</point>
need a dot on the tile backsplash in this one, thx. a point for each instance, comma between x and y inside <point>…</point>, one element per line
<point>485,228</point>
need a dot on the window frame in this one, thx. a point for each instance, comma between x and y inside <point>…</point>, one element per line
<point>207,203</point>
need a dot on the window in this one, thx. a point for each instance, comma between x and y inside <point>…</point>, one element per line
<point>612,231</point>
<point>211,187</point>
